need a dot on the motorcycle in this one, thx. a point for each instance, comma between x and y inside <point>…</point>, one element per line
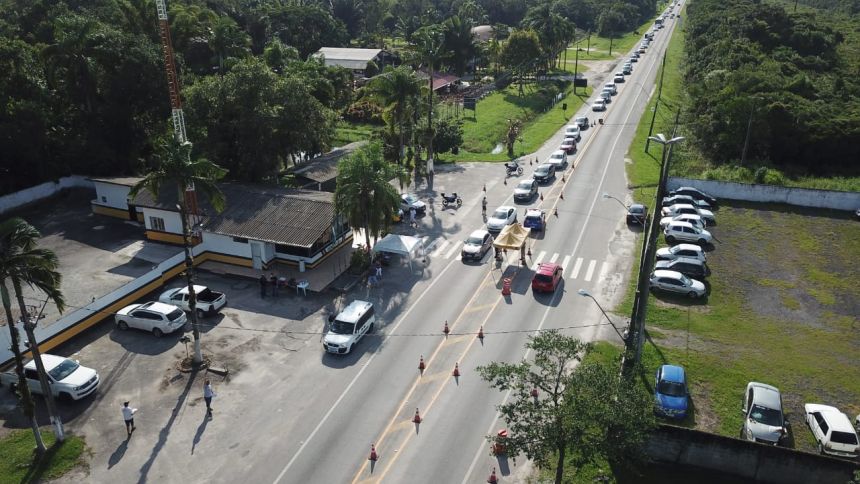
<point>451,199</point>
<point>512,168</point>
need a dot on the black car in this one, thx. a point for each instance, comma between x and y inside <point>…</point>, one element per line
<point>636,214</point>
<point>544,173</point>
<point>695,193</point>
<point>689,267</point>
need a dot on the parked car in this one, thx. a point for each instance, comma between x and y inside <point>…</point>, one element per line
<point>692,219</point>
<point>764,420</point>
<point>409,201</point>
<point>690,251</point>
<point>503,216</point>
<point>832,430</point>
<point>636,214</point>
<point>685,232</point>
<point>582,122</point>
<point>568,145</point>
<point>618,79</point>
<point>676,199</point>
<point>477,245</point>
<point>547,277</point>
<point>694,268</point>
<point>154,317</point>
<point>559,159</point>
<point>598,105</point>
<point>675,282</point>
<point>349,326</point>
<point>572,130</point>
<point>695,193</point>
<point>544,173</point>
<point>534,219</point>
<point>680,208</point>
<point>526,189</point>
<point>67,379</point>
<point>208,301</point>
<point>671,397</point>
<point>612,88</point>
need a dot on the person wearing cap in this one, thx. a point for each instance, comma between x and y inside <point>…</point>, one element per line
<point>128,416</point>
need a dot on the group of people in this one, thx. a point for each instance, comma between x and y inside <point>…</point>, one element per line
<point>128,411</point>
<point>274,282</point>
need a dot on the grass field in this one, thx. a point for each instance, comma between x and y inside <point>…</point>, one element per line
<point>17,466</point>
<point>346,132</point>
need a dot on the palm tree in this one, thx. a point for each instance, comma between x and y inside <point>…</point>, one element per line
<point>459,43</point>
<point>228,40</point>
<point>395,91</point>
<point>21,261</point>
<point>364,194</point>
<point>72,60</point>
<point>179,172</point>
<point>430,43</point>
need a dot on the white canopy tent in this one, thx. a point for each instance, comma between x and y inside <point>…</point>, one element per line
<point>401,245</point>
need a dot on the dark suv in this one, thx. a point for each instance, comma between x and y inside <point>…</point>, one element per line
<point>544,173</point>
<point>689,267</point>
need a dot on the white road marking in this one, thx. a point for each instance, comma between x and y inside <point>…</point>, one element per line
<point>440,249</point>
<point>553,258</point>
<point>576,268</point>
<point>564,263</point>
<point>590,271</point>
<point>454,249</point>
<point>604,269</point>
<point>540,257</point>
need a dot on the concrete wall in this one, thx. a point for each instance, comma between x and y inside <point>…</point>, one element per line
<point>803,197</point>
<point>748,460</point>
<point>38,192</point>
<point>111,195</point>
<point>172,220</point>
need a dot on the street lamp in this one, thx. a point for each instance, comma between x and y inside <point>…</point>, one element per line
<point>583,292</point>
<point>606,195</point>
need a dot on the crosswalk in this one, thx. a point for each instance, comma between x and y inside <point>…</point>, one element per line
<point>584,269</point>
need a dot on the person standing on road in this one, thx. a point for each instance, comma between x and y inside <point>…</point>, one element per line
<point>412,222</point>
<point>263,283</point>
<point>208,394</point>
<point>273,280</point>
<point>128,416</point>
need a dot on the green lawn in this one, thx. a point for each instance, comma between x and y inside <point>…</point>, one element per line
<point>488,126</point>
<point>17,463</point>
<point>347,132</point>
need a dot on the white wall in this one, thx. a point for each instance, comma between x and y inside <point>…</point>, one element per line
<point>223,244</point>
<point>116,196</point>
<point>172,220</point>
<point>38,192</point>
<point>804,197</point>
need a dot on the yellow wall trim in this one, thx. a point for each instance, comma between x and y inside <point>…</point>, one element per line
<point>110,211</point>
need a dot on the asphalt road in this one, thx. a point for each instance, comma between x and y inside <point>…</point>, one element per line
<point>373,395</point>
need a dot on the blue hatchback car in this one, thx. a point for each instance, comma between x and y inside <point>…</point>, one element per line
<point>671,397</point>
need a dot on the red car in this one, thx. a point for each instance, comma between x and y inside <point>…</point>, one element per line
<point>568,145</point>
<point>547,277</point>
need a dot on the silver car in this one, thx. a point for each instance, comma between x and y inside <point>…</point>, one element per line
<point>686,232</point>
<point>763,418</point>
<point>675,282</point>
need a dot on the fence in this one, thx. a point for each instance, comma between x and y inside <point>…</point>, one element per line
<point>19,199</point>
<point>803,197</point>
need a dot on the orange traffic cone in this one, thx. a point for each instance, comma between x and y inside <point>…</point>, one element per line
<point>456,372</point>
<point>505,181</point>
<point>529,252</point>
<point>530,162</point>
<point>417,417</point>
<point>485,187</point>
<point>481,334</point>
<point>556,212</point>
<point>421,365</point>
<point>373,455</point>
<point>541,197</point>
<point>445,329</point>
<point>561,195</point>
<point>493,479</point>
<point>562,178</point>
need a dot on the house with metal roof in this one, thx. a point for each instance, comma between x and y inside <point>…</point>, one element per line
<point>320,173</point>
<point>112,197</point>
<point>355,59</point>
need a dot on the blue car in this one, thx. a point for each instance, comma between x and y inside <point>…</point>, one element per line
<point>535,219</point>
<point>671,397</point>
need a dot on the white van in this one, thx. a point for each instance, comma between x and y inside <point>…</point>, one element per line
<point>349,327</point>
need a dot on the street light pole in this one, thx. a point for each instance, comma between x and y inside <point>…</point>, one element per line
<point>584,293</point>
<point>606,195</point>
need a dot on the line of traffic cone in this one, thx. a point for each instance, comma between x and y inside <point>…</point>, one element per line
<point>493,479</point>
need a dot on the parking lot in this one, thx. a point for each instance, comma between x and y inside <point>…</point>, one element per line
<point>782,307</point>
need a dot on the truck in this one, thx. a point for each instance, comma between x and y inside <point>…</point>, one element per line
<point>68,379</point>
<point>208,301</point>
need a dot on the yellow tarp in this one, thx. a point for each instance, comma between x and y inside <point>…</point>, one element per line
<point>512,237</point>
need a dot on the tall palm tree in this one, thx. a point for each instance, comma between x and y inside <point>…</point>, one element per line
<point>22,262</point>
<point>178,171</point>
<point>459,43</point>
<point>228,40</point>
<point>364,194</point>
<point>72,61</point>
<point>395,91</point>
<point>430,43</point>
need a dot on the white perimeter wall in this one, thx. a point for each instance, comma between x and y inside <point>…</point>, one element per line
<point>38,192</point>
<point>804,197</point>
<point>116,196</point>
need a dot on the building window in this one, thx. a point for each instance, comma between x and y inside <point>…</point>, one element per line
<point>156,223</point>
<point>104,199</point>
<point>240,240</point>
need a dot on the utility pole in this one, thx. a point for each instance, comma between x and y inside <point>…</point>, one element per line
<point>747,137</point>
<point>656,104</point>
<point>29,324</point>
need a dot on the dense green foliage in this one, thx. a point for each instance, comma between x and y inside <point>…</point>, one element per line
<point>753,64</point>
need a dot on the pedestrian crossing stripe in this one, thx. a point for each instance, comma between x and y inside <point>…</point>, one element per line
<point>553,258</point>
<point>454,249</point>
<point>590,271</point>
<point>564,264</point>
<point>576,268</point>
<point>440,248</point>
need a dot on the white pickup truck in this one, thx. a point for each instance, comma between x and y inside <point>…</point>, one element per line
<point>208,301</point>
<point>67,378</point>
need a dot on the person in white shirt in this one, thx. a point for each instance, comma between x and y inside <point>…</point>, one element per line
<point>128,416</point>
<point>208,393</point>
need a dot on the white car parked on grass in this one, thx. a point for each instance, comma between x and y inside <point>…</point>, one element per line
<point>673,281</point>
<point>153,317</point>
<point>694,220</point>
<point>763,418</point>
<point>832,430</point>
<point>679,208</point>
<point>685,232</point>
<point>690,251</point>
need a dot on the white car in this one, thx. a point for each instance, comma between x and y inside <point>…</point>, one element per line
<point>598,105</point>
<point>763,418</point>
<point>621,73</point>
<point>154,317</point>
<point>685,232</point>
<point>606,95</point>
<point>67,379</point>
<point>679,208</point>
<point>582,122</point>
<point>477,245</point>
<point>408,201</point>
<point>694,220</point>
<point>611,86</point>
<point>208,301</point>
<point>348,327</point>
<point>572,131</point>
<point>503,216</point>
<point>558,158</point>
<point>673,281</point>
<point>832,430</point>
<point>618,79</point>
<point>676,199</point>
<point>690,251</point>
